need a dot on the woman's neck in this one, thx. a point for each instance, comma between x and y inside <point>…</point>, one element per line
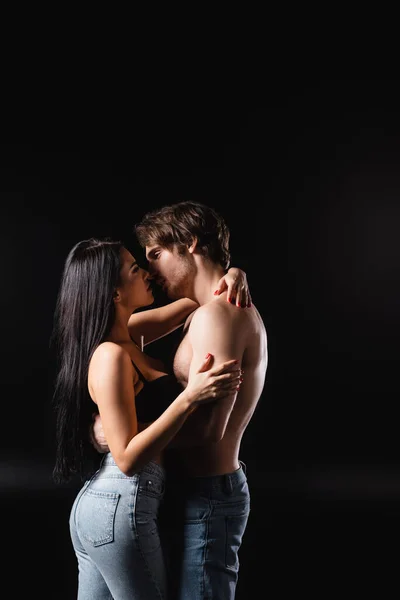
<point>119,333</point>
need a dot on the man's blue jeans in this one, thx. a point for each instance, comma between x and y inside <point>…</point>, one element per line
<point>114,532</point>
<point>204,519</point>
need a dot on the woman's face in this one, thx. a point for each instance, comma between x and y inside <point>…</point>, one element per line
<point>135,288</point>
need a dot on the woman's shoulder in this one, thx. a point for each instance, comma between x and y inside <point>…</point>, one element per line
<point>109,353</point>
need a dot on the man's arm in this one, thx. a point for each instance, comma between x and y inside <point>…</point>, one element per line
<point>212,326</point>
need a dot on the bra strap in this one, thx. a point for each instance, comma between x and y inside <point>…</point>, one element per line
<point>141,376</point>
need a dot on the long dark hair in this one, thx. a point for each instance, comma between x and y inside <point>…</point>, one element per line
<point>83,318</point>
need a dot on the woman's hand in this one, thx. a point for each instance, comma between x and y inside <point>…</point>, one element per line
<point>97,436</point>
<point>235,282</point>
<point>209,384</point>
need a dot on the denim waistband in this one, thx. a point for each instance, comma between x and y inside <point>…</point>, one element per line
<point>226,482</point>
<point>151,467</point>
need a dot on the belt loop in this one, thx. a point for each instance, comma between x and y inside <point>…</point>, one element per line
<point>243,467</point>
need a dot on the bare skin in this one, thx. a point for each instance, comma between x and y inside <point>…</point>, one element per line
<point>209,441</point>
<point>111,375</point>
<point>211,436</point>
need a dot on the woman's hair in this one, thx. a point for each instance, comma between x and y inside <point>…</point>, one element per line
<point>83,319</point>
<point>180,223</point>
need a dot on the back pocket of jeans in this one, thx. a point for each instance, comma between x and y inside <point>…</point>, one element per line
<point>95,516</point>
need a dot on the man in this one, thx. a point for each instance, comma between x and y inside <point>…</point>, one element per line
<point>207,501</point>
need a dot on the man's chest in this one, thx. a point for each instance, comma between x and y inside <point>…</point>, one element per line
<point>182,359</point>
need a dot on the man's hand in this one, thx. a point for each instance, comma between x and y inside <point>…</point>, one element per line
<point>97,435</point>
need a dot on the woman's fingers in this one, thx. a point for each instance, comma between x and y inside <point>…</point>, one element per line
<point>227,377</point>
<point>232,291</point>
<point>206,363</point>
<point>226,389</point>
<point>221,286</point>
<point>243,297</point>
<point>240,296</point>
<point>225,367</point>
<point>230,380</point>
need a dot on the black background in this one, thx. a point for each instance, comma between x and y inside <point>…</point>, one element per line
<point>308,180</point>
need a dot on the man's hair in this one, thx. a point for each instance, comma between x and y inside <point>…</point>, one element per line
<point>181,223</point>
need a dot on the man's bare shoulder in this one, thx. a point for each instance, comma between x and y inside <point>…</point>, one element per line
<point>220,316</point>
<point>216,311</point>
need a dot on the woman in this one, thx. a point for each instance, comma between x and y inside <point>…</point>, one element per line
<point>113,521</point>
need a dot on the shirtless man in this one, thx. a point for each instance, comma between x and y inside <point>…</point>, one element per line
<point>207,502</point>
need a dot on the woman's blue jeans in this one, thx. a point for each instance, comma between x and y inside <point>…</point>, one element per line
<point>114,532</point>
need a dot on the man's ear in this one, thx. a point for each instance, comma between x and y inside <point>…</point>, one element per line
<point>192,247</point>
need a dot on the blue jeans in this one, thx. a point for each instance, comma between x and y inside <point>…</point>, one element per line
<point>204,519</point>
<point>114,532</point>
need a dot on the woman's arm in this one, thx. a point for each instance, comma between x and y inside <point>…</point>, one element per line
<point>111,386</point>
<point>155,323</point>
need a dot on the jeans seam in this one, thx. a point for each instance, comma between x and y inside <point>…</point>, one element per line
<point>226,541</point>
<point>204,557</point>
<point>138,545</point>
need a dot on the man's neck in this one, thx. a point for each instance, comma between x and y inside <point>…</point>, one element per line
<point>206,282</point>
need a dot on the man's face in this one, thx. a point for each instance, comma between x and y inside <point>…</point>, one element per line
<point>171,270</point>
